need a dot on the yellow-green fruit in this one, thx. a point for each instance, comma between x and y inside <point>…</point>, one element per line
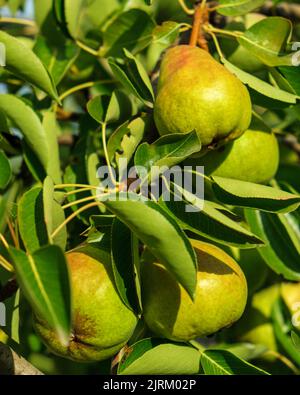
<point>221,295</point>
<point>256,326</point>
<point>195,92</point>
<point>290,293</point>
<point>254,157</point>
<point>102,324</point>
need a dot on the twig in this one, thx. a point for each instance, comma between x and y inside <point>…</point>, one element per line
<point>200,18</point>
<point>11,364</point>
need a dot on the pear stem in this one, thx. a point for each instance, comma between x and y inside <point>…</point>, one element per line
<point>200,17</point>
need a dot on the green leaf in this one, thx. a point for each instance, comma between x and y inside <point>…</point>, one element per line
<point>5,170</point>
<point>167,151</point>
<point>293,77</point>
<point>21,61</point>
<point>124,141</point>
<point>157,230</point>
<point>238,7</point>
<point>84,19</point>
<point>267,41</point>
<point>246,194</point>
<point>131,30</point>
<point>282,330</point>
<point>209,222</point>
<point>282,249</point>
<point>296,340</point>
<point>132,75</point>
<point>24,118</point>
<point>166,33</point>
<point>52,131</point>
<point>31,221</point>
<point>223,362</point>
<point>259,85</point>
<point>122,252</point>
<point>7,200</point>
<point>53,214</point>
<point>57,59</point>
<point>157,356</point>
<point>107,109</point>
<point>44,279</point>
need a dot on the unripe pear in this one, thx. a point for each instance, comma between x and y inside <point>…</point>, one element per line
<point>220,298</point>
<point>253,157</point>
<point>102,324</point>
<point>195,92</point>
<point>256,325</point>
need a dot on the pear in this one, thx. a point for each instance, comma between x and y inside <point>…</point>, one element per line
<point>102,324</point>
<point>253,157</point>
<point>220,298</point>
<point>195,92</point>
<point>256,325</point>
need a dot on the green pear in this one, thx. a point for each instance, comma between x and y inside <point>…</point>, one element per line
<point>195,92</point>
<point>220,298</point>
<point>253,157</point>
<point>256,325</point>
<point>102,324</point>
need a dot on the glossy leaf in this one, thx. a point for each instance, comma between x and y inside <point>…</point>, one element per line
<point>44,279</point>
<point>156,356</point>
<point>122,252</point>
<point>131,30</point>
<point>267,41</point>
<point>107,109</point>
<point>223,362</point>
<point>52,131</point>
<point>53,213</point>
<point>238,7</point>
<point>247,194</point>
<point>124,141</point>
<point>282,250</point>
<point>282,330</point>
<point>58,59</point>
<point>5,170</point>
<point>259,85</point>
<point>167,151</point>
<point>21,61</point>
<point>132,75</point>
<point>24,118</point>
<point>210,222</point>
<point>157,230</point>
<point>32,225</point>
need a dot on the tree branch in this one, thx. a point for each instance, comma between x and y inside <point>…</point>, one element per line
<point>12,364</point>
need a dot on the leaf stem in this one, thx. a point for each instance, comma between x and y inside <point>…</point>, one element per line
<point>64,186</point>
<point>5,243</point>
<point>186,9</point>
<point>86,48</point>
<point>86,199</point>
<point>112,176</point>
<point>6,265</point>
<point>210,28</point>
<point>13,233</point>
<point>216,42</point>
<point>18,21</point>
<point>77,191</point>
<point>80,87</point>
<point>72,216</point>
<point>197,345</point>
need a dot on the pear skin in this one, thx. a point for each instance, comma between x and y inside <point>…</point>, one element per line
<point>221,295</point>
<point>195,92</point>
<point>102,324</point>
<point>253,157</point>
